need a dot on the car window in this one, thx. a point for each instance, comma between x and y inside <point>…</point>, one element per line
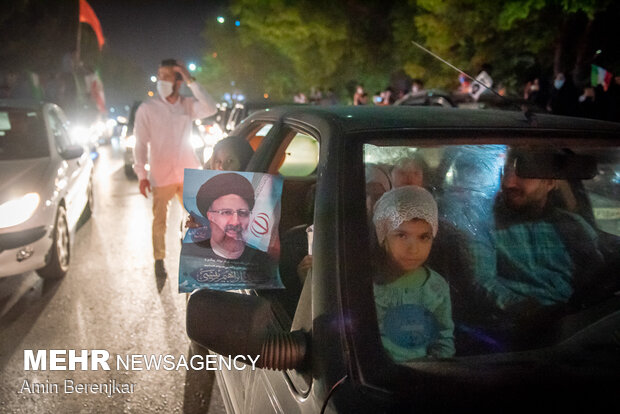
<point>301,156</point>
<point>22,134</point>
<point>296,160</point>
<point>518,244</point>
<point>260,131</point>
<point>61,137</point>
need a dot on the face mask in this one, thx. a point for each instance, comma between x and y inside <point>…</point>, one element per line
<point>558,83</point>
<point>164,88</point>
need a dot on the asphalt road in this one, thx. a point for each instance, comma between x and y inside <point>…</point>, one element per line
<point>110,300</point>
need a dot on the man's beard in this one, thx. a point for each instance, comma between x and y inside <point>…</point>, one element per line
<point>236,229</point>
<point>520,203</point>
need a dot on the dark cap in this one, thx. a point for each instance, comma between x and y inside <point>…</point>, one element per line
<point>221,185</point>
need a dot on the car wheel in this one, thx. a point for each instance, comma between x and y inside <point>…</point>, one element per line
<point>60,253</point>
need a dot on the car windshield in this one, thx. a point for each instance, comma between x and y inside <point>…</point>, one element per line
<point>483,249</point>
<point>22,134</point>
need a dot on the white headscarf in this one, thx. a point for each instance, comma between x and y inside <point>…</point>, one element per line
<point>404,204</point>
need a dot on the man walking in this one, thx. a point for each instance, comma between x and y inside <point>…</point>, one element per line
<point>163,129</point>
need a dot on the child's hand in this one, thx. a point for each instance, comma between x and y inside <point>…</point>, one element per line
<point>303,267</point>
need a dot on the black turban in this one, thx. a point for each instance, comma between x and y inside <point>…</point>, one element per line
<point>221,185</point>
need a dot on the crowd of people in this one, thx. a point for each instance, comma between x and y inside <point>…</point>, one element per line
<point>559,96</point>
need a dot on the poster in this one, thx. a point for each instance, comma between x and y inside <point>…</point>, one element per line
<point>234,243</point>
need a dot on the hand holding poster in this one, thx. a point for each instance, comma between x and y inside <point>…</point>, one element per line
<point>236,245</point>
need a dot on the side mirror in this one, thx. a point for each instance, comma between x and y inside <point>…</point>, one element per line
<point>236,324</point>
<point>72,152</point>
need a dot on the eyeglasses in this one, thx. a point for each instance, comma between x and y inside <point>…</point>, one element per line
<point>229,212</point>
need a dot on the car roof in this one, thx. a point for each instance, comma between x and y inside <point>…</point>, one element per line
<point>360,118</point>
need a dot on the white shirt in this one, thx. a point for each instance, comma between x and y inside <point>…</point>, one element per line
<point>163,132</point>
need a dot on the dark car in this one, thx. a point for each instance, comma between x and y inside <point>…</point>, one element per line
<point>319,340</point>
<point>430,97</point>
<point>241,110</point>
<point>46,187</point>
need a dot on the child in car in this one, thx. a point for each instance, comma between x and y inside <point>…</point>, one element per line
<point>412,301</point>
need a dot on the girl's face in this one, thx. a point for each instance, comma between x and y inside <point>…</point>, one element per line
<point>225,160</point>
<point>410,244</point>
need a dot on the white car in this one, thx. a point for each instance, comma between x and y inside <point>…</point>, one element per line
<point>46,186</point>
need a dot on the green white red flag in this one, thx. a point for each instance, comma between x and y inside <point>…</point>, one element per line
<point>600,76</point>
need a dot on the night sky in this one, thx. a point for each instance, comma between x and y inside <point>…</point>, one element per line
<point>148,31</point>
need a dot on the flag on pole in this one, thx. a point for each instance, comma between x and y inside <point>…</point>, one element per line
<point>600,76</point>
<point>95,87</point>
<point>88,16</point>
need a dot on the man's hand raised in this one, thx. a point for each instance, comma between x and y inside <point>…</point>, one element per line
<point>182,70</point>
<point>145,185</point>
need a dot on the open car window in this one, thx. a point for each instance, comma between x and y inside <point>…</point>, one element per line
<point>521,246</point>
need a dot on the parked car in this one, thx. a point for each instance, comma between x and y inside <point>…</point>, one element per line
<point>242,110</point>
<point>46,186</point>
<point>127,142</point>
<point>318,339</point>
<point>429,97</point>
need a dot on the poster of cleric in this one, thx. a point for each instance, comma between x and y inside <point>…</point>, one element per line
<point>232,238</point>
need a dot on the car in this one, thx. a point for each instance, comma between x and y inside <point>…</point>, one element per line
<point>431,97</point>
<point>241,110</point>
<point>46,188</point>
<point>319,340</point>
<point>127,141</point>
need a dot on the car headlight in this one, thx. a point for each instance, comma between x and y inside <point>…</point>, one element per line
<point>130,141</point>
<point>196,141</point>
<point>17,211</point>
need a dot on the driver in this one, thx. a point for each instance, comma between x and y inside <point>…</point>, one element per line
<point>537,255</point>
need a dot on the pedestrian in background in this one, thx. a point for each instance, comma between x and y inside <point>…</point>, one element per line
<point>360,97</point>
<point>163,128</point>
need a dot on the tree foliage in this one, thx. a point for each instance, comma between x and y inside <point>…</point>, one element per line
<point>283,46</point>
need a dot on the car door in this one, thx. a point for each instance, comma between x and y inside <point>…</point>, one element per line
<point>73,172</point>
<point>296,158</point>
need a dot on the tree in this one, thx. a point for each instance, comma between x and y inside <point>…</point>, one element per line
<point>304,44</point>
<point>516,36</point>
<point>286,46</point>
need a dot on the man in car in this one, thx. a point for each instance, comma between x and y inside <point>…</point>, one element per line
<point>163,129</point>
<point>537,255</point>
<point>226,200</point>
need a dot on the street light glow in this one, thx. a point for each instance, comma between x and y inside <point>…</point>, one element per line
<point>220,19</point>
<point>192,66</point>
<point>154,79</point>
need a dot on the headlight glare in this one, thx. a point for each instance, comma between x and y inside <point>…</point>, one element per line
<point>18,210</point>
<point>130,141</point>
<point>196,141</point>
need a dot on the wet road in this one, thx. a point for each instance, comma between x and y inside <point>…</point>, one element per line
<point>109,300</point>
